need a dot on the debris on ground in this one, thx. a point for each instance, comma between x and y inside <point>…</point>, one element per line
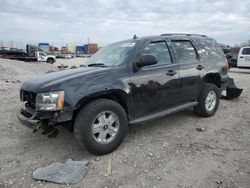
<point>70,172</point>
<point>11,81</point>
<point>62,67</point>
<point>97,159</point>
<point>201,129</point>
<point>109,169</point>
<point>219,182</point>
<point>151,154</point>
<point>73,67</point>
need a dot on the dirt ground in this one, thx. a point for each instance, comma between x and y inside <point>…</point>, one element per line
<point>168,152</point>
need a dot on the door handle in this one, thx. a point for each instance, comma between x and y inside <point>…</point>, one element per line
<point>241,56</point>
<point>200,67</point>
<point>171,73</point>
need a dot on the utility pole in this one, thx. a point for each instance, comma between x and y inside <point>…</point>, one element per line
<point>88,45</point>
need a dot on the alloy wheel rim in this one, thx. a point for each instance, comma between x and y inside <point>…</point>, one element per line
<point>210,101</point>
<point>105,127</point>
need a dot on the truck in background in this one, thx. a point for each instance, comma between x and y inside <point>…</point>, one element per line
<point>244,57</point>
<point>33,53</point>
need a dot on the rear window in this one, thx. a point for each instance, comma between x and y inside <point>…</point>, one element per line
<point>246,51</point>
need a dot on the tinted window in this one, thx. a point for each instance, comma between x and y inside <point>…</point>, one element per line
<point>160,51</point>
<point>246,51</point>
<point>185,51</point>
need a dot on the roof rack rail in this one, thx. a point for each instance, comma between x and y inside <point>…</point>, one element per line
<point>185,34</point>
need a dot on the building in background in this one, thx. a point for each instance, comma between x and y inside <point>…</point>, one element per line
<point>80,50</point>
<point>92,48</point>
<point>71,48</point>
<point>87,49</point>
<point>50,48</point>
<point>63,49</point>
<point>44,47</point>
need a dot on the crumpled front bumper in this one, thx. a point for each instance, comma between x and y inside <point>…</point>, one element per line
<point>28,121</point>
<point>37,119</point>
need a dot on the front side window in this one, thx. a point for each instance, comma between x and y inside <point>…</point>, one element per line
<point>185,51</point>
<point>246,51</point>
<point>160,51</point>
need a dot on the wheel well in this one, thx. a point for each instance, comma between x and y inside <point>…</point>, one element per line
<point>50,58</point>
<point>115,96</point>
<point>213,78</point>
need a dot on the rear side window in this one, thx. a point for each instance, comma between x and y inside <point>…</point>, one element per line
<point>209,47</point>
<point>185,51</point>
<point>160,51</point>
<point>246,51</point>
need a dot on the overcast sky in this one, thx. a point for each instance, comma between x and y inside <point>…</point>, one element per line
<point>106,21</point>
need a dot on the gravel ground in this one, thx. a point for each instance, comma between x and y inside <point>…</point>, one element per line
<point>168,152</point>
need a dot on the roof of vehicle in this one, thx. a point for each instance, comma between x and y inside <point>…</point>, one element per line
<point>177,36</point>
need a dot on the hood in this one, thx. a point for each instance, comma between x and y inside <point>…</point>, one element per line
<point>45,82</point>
<point>51,56</point>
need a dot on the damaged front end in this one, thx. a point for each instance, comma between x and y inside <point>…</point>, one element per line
<point>43,111</point>
<point>231,90</point>
<point>46,125</point>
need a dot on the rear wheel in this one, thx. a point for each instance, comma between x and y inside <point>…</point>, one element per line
<point>101,126</point>
<point>50,60</point>
<point>208,101</point>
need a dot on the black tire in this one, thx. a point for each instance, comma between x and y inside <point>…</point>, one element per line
<point>201,109</point>
<point>50,60</point>
<point>86,117</point>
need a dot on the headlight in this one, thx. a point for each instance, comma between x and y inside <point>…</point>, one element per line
<point>50,101</point>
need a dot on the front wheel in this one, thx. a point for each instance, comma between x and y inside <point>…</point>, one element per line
<point>101,126</point>
<point>208,101</point>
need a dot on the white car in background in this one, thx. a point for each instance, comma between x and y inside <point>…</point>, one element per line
<point>244,57</point>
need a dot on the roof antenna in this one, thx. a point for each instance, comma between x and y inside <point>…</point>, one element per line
<point>135,37</point>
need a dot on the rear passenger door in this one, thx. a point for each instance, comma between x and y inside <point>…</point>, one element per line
<point>190,69</point>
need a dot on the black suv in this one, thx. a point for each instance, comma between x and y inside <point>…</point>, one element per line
<point>125,83</point>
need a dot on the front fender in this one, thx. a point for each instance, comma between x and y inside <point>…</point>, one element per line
<point>104,92</point>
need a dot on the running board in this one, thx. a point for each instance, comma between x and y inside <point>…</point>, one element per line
<point>163,113</point>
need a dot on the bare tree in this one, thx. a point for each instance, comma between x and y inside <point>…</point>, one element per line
<point>1,43</point>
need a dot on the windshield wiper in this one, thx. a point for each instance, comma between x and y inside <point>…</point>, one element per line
<point>97,65</point>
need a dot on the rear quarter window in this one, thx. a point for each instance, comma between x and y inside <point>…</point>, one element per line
<point>246,51</point>
<point>209,47</point>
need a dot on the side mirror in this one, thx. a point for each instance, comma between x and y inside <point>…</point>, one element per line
<point>146,60</point>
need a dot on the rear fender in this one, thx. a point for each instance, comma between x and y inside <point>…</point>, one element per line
<point>214,78</point>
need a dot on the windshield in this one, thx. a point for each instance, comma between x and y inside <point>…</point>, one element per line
<point>112,55</point>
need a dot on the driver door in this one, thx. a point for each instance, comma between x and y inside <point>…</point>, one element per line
<point>155,87</point>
